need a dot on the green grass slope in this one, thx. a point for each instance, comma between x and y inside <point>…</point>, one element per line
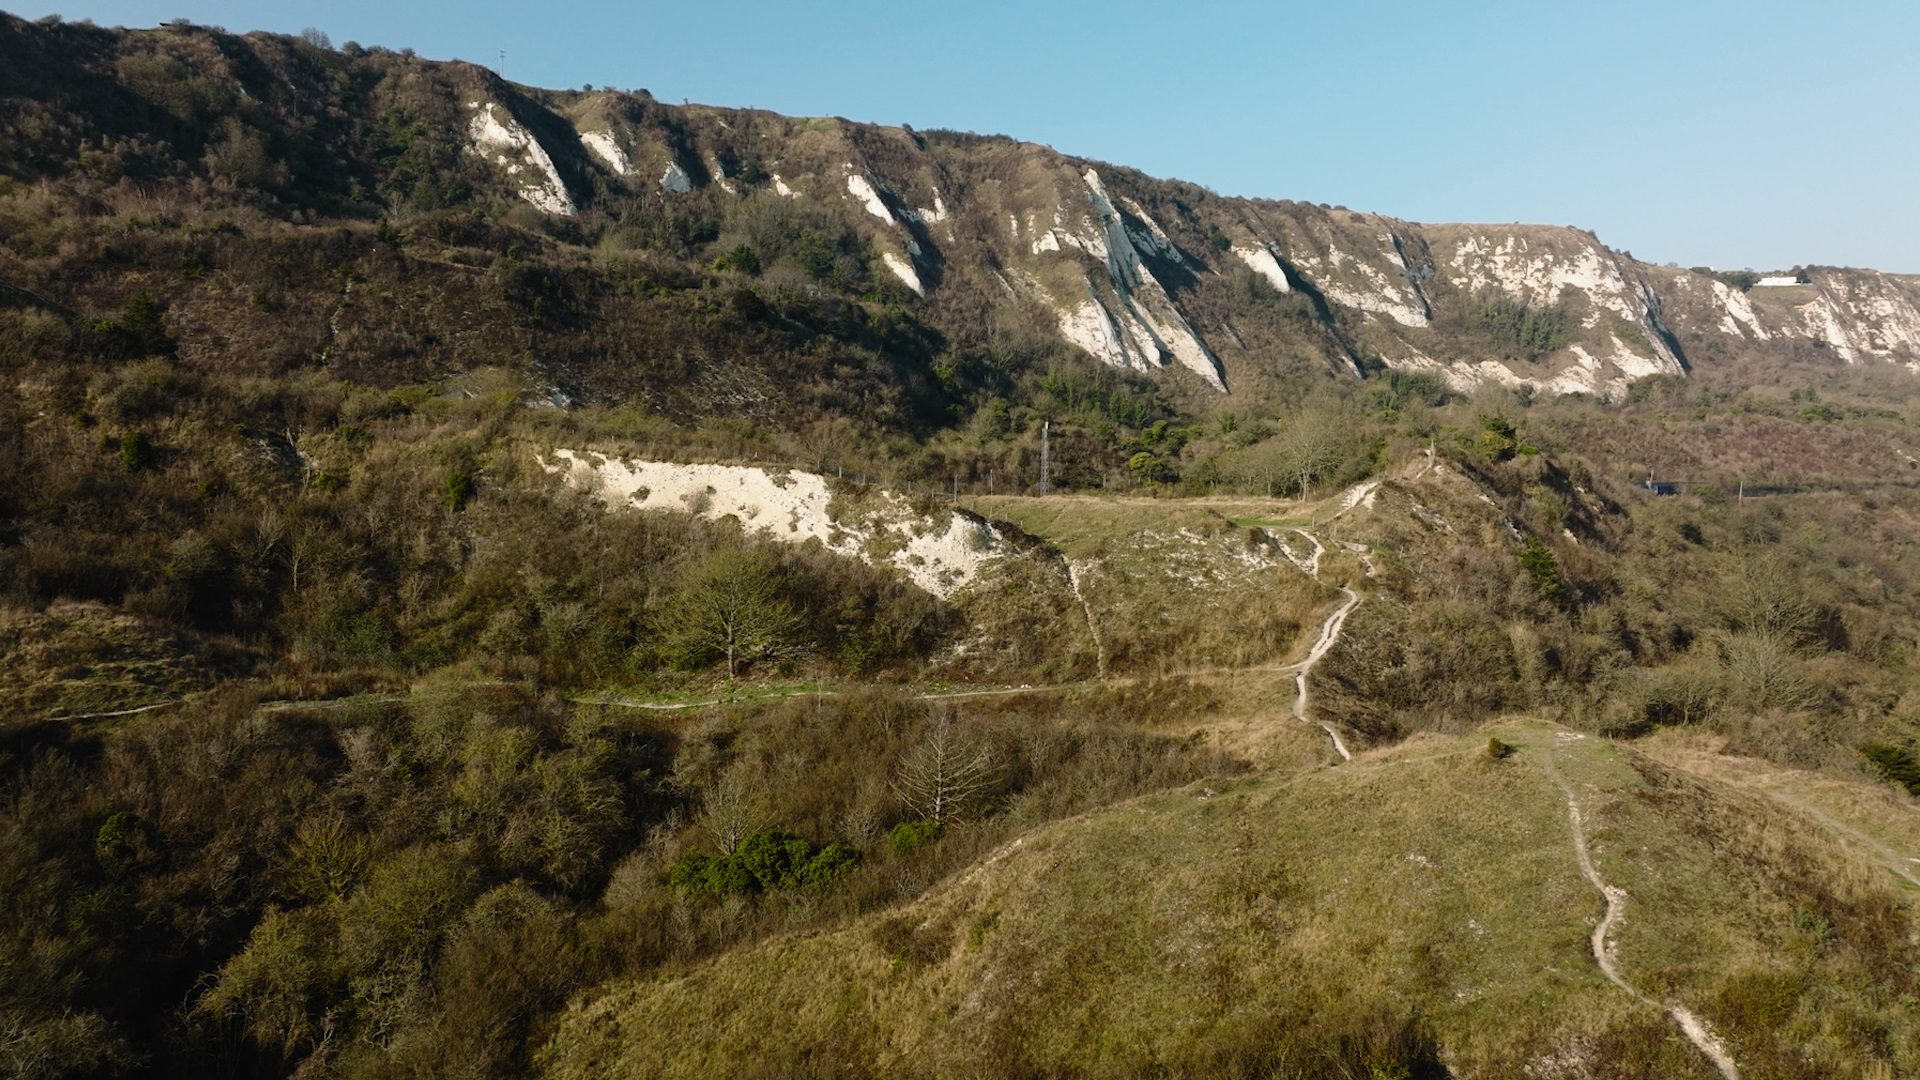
<point>1415,910</point>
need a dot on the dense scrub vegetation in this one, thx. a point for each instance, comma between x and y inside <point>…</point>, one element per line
<point>420,882</point>
<point>277,362</point>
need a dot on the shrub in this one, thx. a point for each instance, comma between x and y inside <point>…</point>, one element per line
<point>136,452</point>
<point>1497,750</point>
<point>715,875</point>
<point>771,860</point>
<point>828,865</point>
<point>1538,561</point>
<point>142,327</point>
<point>1514,328</point>
<point>910,836</point>
<point>1499,439</point>
<point>459,489</point>
<point>1896,764</point>
<point>742,258</point>
<point>774,858</point>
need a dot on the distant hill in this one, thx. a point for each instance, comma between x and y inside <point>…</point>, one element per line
<point>247,175</point>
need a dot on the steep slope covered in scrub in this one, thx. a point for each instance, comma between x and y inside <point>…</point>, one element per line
<point>490,577</point>
<point>987,246</point>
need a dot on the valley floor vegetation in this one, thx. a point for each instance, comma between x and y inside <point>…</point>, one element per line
<point>338,737</point>
<point>390,811</point>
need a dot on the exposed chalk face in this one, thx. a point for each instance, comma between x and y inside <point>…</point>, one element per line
<point>1740,315</point>
<point>941,554</point>
<point>494,134</point>
<point>1542,275</point>
<point>603,146</point>
<point>675,180</point>
<point>719,174</point>
<point>903,269</point>
<point>1859,315</point>
<point>862,189</point>
<point>1144,325</point>
<point>1260,259</point>
<point>1356,282</point>
<point>934,215</point>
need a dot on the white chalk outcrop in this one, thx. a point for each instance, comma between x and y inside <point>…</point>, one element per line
<point>903,269</point>
<point>1261,260</point>
<point>1740,314</point>
<point>1542,273</point>
<point>494,134</point>
<point>603,145</point>
<point>1860,316</point>
<point>902,266</point>
<point>1375,281</point>
<point>934,215</point>
<point>719,174</point>
<point>942,554</point>
<point>675,181</point>
<point>1140,327</point>
<point>868,196</point>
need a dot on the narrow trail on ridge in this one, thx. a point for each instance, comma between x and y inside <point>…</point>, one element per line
<point>1694,1028</point>
<point>1329,633</point>
<point>1360,494</point>
<point>117,712</point>
<point>1086,609</point>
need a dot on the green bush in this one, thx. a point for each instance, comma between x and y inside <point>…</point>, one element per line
<point>1538,561</point>
<point>910,836</point>
<point>1896,764</point>
<point>136,451</point>
<point>715,875</point>
<point>459,489</point>
<point>1499,438</point>
<point>742,258</point>
<point>774,858</point>
<point>771,860</point>
<point>828,865</point>
<point>1515,328</point>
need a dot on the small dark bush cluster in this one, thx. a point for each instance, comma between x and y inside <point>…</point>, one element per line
<point>1896,764</point>
<point>767,861</point>
<point>910,836</point>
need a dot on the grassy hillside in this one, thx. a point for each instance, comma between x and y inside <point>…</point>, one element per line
<point>339,736</point>
<point>1413,911</point>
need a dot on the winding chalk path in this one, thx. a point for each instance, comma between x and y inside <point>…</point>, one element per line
<point>1692,1026</point>
<point>117,712</point>
<point>1359,495</point>
<point>1329,633</point>
<point>1093,627</point>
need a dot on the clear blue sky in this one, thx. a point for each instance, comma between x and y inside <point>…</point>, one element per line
<point>1757,133</point>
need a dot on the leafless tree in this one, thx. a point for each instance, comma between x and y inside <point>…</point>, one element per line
<point>734,809</point>
<point>945,775</point>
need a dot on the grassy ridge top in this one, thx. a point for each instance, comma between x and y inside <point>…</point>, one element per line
<point>1423,897</point>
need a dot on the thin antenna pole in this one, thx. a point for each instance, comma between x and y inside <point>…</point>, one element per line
<point>1046,432</point>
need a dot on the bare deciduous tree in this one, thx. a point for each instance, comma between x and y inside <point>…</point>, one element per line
<point>1297,457</point>
<point>945,775</point>
<point>734,809</point>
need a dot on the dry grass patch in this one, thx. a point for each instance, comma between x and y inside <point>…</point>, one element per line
<point>1428,885</point>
